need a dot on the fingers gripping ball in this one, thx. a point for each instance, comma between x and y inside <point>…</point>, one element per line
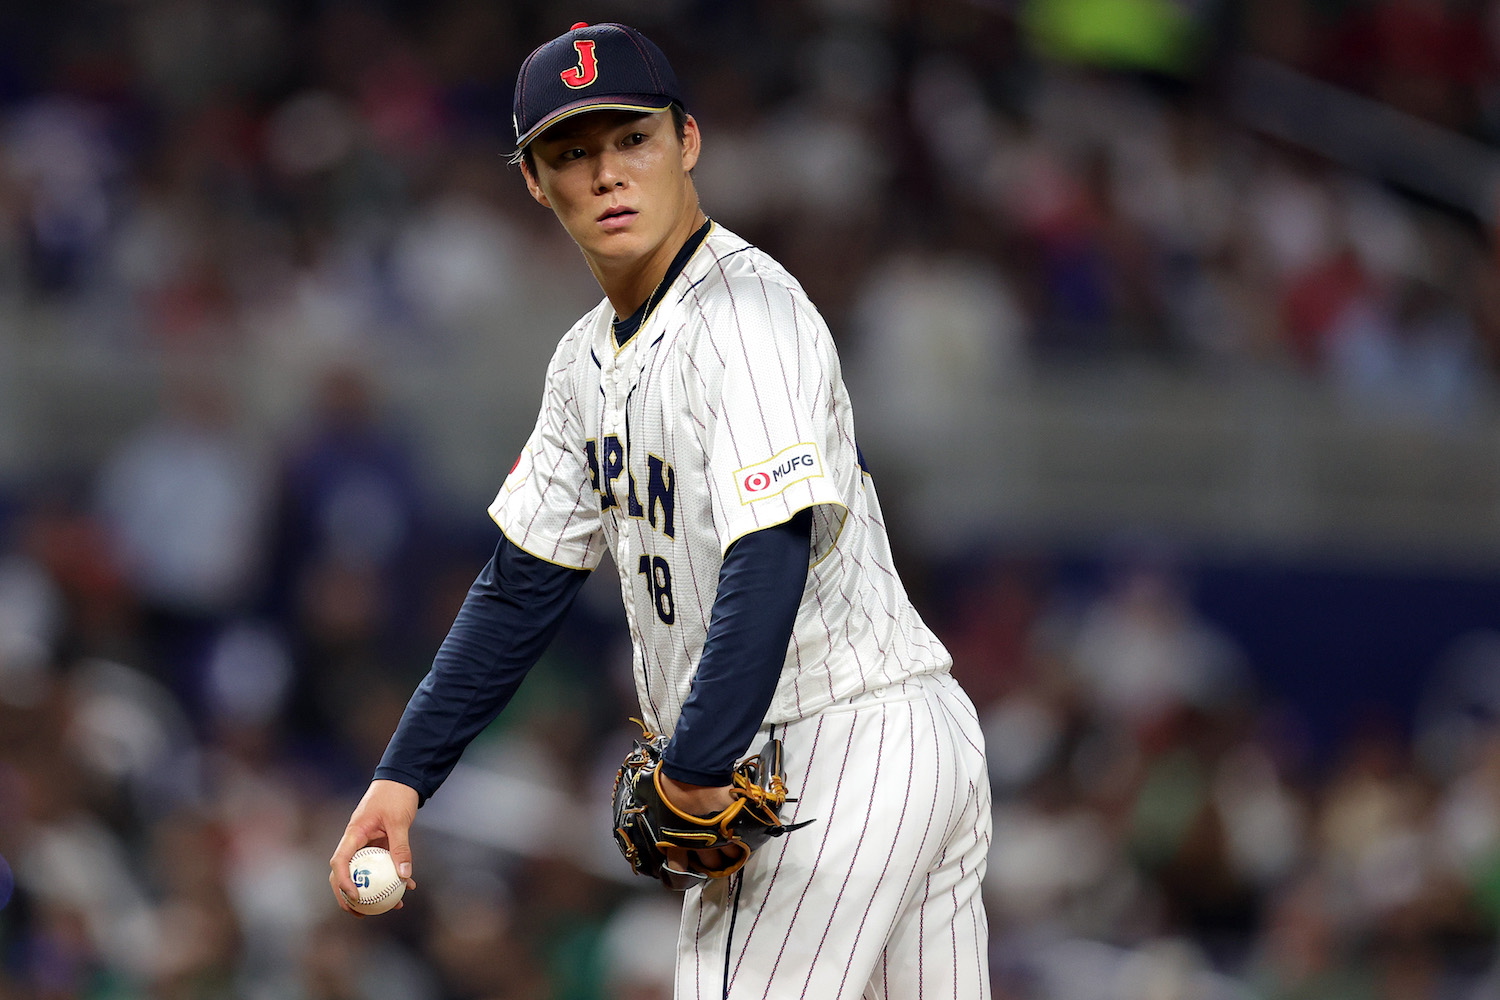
<point>647,826</point>
<point>374,874</point>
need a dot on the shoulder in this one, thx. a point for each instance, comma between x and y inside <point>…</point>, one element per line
<point>730,279</point>
<point>577,344</point>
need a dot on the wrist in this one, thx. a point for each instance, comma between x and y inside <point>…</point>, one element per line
<point>686,787</point>
<point>694,777</point>
<point>694,799</point>
<point>395,794</point>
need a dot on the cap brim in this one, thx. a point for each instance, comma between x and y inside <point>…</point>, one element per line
<point>612,102</point>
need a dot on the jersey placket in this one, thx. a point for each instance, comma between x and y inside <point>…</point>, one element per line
<point>618,377</point>
<point>615,381</point>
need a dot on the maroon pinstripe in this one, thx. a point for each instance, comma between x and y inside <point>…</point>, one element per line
<point>895,840</point>
<point>853,857</point>
<point>812,756</point>
<point>827,830</point>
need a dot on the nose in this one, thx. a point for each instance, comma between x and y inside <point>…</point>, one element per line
<point>608,174</point>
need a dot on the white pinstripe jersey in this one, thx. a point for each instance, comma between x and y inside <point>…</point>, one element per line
<point>724,414</point>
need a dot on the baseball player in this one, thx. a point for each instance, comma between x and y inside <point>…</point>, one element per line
<point>695,424</point>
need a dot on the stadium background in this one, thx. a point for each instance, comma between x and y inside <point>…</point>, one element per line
<point>1172,329</point>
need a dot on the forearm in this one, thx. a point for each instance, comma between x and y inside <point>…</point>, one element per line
<point>760,590</point>
<point>507,620</point>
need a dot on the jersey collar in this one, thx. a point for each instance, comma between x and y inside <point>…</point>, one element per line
<point>626,328</point>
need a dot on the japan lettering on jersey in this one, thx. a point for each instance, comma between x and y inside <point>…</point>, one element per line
<point>724,414</point>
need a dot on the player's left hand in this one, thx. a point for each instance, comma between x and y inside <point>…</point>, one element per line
<point>685,834</point>
<point>699,800</point>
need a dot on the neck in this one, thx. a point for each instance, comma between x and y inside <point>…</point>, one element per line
<point>627,284</point>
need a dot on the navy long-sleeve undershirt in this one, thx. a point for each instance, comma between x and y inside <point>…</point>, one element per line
<point>513,611</point>
<point>507,620</point>
<point>755,608</point>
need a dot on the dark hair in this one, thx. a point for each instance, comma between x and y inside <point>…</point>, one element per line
<point>679,123</point>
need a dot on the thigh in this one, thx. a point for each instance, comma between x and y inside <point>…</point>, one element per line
<point>892,784</point>
<point>940,943</point>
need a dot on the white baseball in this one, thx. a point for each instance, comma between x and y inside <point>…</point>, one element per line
<point>374,874</point>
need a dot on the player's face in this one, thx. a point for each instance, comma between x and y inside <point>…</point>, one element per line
<point>618,181</point>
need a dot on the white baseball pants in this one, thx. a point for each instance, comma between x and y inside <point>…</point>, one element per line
<point>880,897</point>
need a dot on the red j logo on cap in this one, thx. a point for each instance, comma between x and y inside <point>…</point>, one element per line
<point>587,70</point>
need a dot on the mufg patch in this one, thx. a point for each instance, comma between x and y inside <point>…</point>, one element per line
<point>788,466</point>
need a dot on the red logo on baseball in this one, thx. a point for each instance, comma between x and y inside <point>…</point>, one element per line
<point>587,70</point>
<point>756,481</point>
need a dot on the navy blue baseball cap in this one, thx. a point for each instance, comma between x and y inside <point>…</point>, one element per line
<point>594,67</point>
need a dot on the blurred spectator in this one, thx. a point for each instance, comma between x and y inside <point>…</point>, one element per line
<point>639,941</point>
<point>455,260</point>
<point>939,334</point>
<point>340,962</point>
<point>1306,953</point>
<point>1330,291</point>
<point>31,627</point>
<point>349,533</point>
<point>59,154</point>
<point>349,491</point>
<point>1412,357</point>
<point>1141,653</point>
<point>478,949</point>
<point>990,629</point>
<point>184,501</point>
<point>1469,827</point>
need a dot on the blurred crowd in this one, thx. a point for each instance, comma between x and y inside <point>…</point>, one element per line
<point>207,636</point>
<point>1166,829</point>
<point>175,771</point>
<point>259,177</point>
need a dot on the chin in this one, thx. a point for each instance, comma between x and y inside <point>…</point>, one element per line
<point>618,245</point>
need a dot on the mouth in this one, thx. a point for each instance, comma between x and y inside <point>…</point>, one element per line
<point>619,214</point>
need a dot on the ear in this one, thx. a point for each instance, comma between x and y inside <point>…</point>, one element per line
<point>534,187</point>
<point>692,144</point>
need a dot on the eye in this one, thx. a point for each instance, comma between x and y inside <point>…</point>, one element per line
<point>576,153</point>
<point>635,138</point>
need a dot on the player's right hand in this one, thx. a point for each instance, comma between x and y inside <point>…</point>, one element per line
<point>383,818</point>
